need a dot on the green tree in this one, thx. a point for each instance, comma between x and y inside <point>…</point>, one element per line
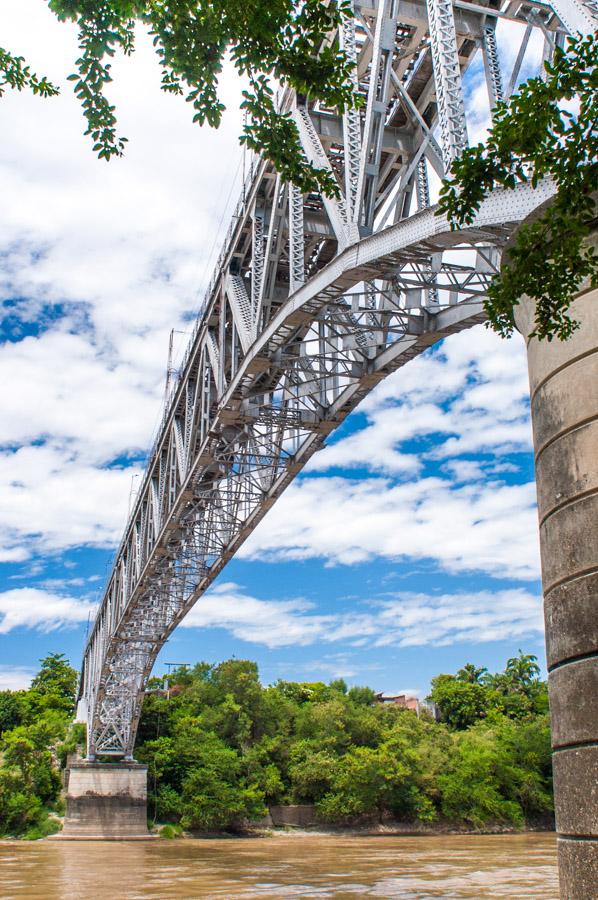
<point>363,696</point>
<point>375,781</point>
<point>535,136</point>
<point>471,673</point>
<point>56,682</point>
<point>311,770</point>
<point>10,710</point>
<point>461,703</point>
<point>469,788</point>
<point>197,780</point>
<point>523,671</point>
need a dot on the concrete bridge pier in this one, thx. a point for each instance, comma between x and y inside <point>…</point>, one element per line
<point>564,405</point>
<point>105,801</point>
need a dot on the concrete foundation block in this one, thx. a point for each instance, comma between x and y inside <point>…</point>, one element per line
<point>105,801</point>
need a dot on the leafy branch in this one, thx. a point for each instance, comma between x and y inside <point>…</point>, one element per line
<point>547,130</point>
<point>269,41</point>
<point>15,74</point>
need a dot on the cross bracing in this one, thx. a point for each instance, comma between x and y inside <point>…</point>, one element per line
<point>314,300</point>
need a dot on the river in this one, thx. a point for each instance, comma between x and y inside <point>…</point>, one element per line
<point>298,865</point>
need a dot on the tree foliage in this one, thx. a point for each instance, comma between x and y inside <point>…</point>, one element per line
<point>546,130</point>
<point>35,733</point>
<point>270,42</point>
<point>56,679</point>
<point>16,74</point>
<point>220,748</point>
<point>474,694</point>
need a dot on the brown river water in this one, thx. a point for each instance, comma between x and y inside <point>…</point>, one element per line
<point>299,865</point>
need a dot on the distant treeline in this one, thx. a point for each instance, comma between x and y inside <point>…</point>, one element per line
<point>220,748</point>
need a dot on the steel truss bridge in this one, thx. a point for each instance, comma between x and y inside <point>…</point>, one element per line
<point>313,302</point>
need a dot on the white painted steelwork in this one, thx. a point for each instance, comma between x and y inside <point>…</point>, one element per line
<point>312,303</point>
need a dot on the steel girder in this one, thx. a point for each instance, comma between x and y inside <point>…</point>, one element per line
<point>313,302</point>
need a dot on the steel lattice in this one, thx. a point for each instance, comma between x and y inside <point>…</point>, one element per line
<point>313,302</point>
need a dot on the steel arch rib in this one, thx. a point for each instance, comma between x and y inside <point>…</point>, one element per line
<point>129,652</point>
<point>306,313</point>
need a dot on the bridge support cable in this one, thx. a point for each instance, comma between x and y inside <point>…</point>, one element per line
<point>305,313</point>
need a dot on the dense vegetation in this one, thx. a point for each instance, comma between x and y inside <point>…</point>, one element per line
<point>220,748</point>
<point>35,737</point>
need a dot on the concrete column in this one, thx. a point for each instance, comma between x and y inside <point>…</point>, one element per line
<point>564,406</point>
<point>105,801</point>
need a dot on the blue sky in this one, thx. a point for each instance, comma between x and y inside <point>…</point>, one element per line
<point>409,545</point>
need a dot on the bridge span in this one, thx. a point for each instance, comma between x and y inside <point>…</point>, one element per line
<point>313,302</point>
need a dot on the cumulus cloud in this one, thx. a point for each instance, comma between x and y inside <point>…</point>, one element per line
<point>419,619</point>
<point>97,263</point>
<point>400,619</point>
<point>52,501</point>
<point>469,528</point>
<point>275,623</point>
<point>46,611</point>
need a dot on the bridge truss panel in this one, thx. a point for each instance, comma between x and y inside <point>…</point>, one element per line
<point>314,300</point>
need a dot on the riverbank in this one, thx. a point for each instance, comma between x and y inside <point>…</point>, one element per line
<point>386,829</point>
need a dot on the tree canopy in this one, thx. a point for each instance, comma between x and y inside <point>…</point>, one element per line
<point>546,130</point>
<point>221,747</point>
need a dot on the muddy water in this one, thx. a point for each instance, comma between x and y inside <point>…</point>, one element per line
<point>410,868</point>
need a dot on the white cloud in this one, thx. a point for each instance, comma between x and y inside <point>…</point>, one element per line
<point>46,611</point>
<point>420,619</point>
<point>103,260</point>
<point>51,501</point>
<point>275,623</point>
<point>477,527</point>
<point>14,678</point>
<point>400,619</point>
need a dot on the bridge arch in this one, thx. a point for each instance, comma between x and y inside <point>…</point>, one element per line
<point>312,303</point>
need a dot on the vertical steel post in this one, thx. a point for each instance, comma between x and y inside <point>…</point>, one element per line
<point>447,76</point>
<point>296,240</point>
<point>492,64</point>
<point>351,122</point>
